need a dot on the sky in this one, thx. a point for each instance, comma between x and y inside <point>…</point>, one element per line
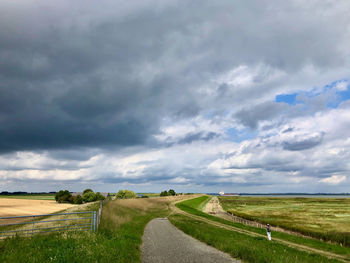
<point>198,96</point>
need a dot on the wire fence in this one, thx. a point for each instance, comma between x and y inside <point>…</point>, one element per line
<point>47,223</point>
<point>11,226</point>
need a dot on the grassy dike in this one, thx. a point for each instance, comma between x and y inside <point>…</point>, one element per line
<point>246,247</point>
<point>118,239</point>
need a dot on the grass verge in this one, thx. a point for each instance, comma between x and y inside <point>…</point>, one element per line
<point>191,206</point>
<point>247,248</point>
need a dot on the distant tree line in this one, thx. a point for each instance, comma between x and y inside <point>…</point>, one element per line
<point>64,196</point>
<point>171,192</point>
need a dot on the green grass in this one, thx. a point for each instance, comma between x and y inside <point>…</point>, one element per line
<point>118,239</point>
<point>29,196</point>
<point>150,194</point>
<point>192,206</point>
<point>322,218</point>
<point>202,205</point>
<point>247,248</point>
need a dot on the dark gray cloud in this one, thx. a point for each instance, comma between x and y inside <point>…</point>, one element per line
<point>265,111</point>
<point>197,136</point>
<point>299,144</point>
<point>107,76</point>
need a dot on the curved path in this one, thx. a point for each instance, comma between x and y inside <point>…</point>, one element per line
<point>162,242</point>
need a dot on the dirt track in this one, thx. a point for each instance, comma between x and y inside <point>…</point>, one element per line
<point>162,242</point>
<point>214,207</point>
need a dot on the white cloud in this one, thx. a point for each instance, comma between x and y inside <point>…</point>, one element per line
<point>334,179</point>
<point>341,85</point>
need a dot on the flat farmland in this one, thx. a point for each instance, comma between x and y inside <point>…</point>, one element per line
<point>30,196</point>
<point>23,207</point>
<point>326,218</point>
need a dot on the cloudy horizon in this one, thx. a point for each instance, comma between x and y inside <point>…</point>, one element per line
<point>198,96</point>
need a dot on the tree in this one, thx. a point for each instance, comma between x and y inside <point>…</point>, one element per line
<point>78,200</point>
<point>89,197</point>
<point>87,190</point>
<point>124,194</point>
<point>164,193</point>
<point>99,196</point>
<point>63,196</point>
<point>171,192</point>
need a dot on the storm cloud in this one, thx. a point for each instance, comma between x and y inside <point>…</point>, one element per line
<point>162,92</point>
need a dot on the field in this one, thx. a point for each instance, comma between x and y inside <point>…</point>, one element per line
<point>250,243</point>
<point>31,196</point>
<point>149,194</point>
<point>325,218</point>
<point>23,207</point>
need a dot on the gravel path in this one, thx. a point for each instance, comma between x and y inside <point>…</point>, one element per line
<point>214,207</point>
<point>162,242</point>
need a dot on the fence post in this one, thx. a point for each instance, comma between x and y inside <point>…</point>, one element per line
<point>99,214</point>
<point>33,226</point>
<point>92,221</point>
<point>64,222</point>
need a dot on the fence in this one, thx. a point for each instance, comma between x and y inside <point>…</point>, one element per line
<point>245,221</point>
<point>46,223</point>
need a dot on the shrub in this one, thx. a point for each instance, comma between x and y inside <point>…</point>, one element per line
<point>89,197</point>
<point>87,190</point>
<point>99,196</point>
<point>171,192</point>
<point>63,196</point>
<point>124,194</point>
<point>164,193</point>
<point>78,200</point>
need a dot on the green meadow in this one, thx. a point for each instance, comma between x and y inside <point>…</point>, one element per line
<point>323,218</point>
<point>250,243</point>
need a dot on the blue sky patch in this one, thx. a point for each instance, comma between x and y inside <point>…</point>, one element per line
<point>338,92</point>
<point>287,98</point>
<point>242,135</point>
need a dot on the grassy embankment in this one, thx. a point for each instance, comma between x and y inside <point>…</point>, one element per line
<point>31,196</point>
<point>118,239</point>
<point>247,247</point>
<point>322,218</point>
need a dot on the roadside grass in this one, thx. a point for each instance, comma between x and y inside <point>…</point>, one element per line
<point>192,206</point>
<point>29,196</point>
<point>245,247</point>
<point>118,239</point>
<point>322,218</point>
